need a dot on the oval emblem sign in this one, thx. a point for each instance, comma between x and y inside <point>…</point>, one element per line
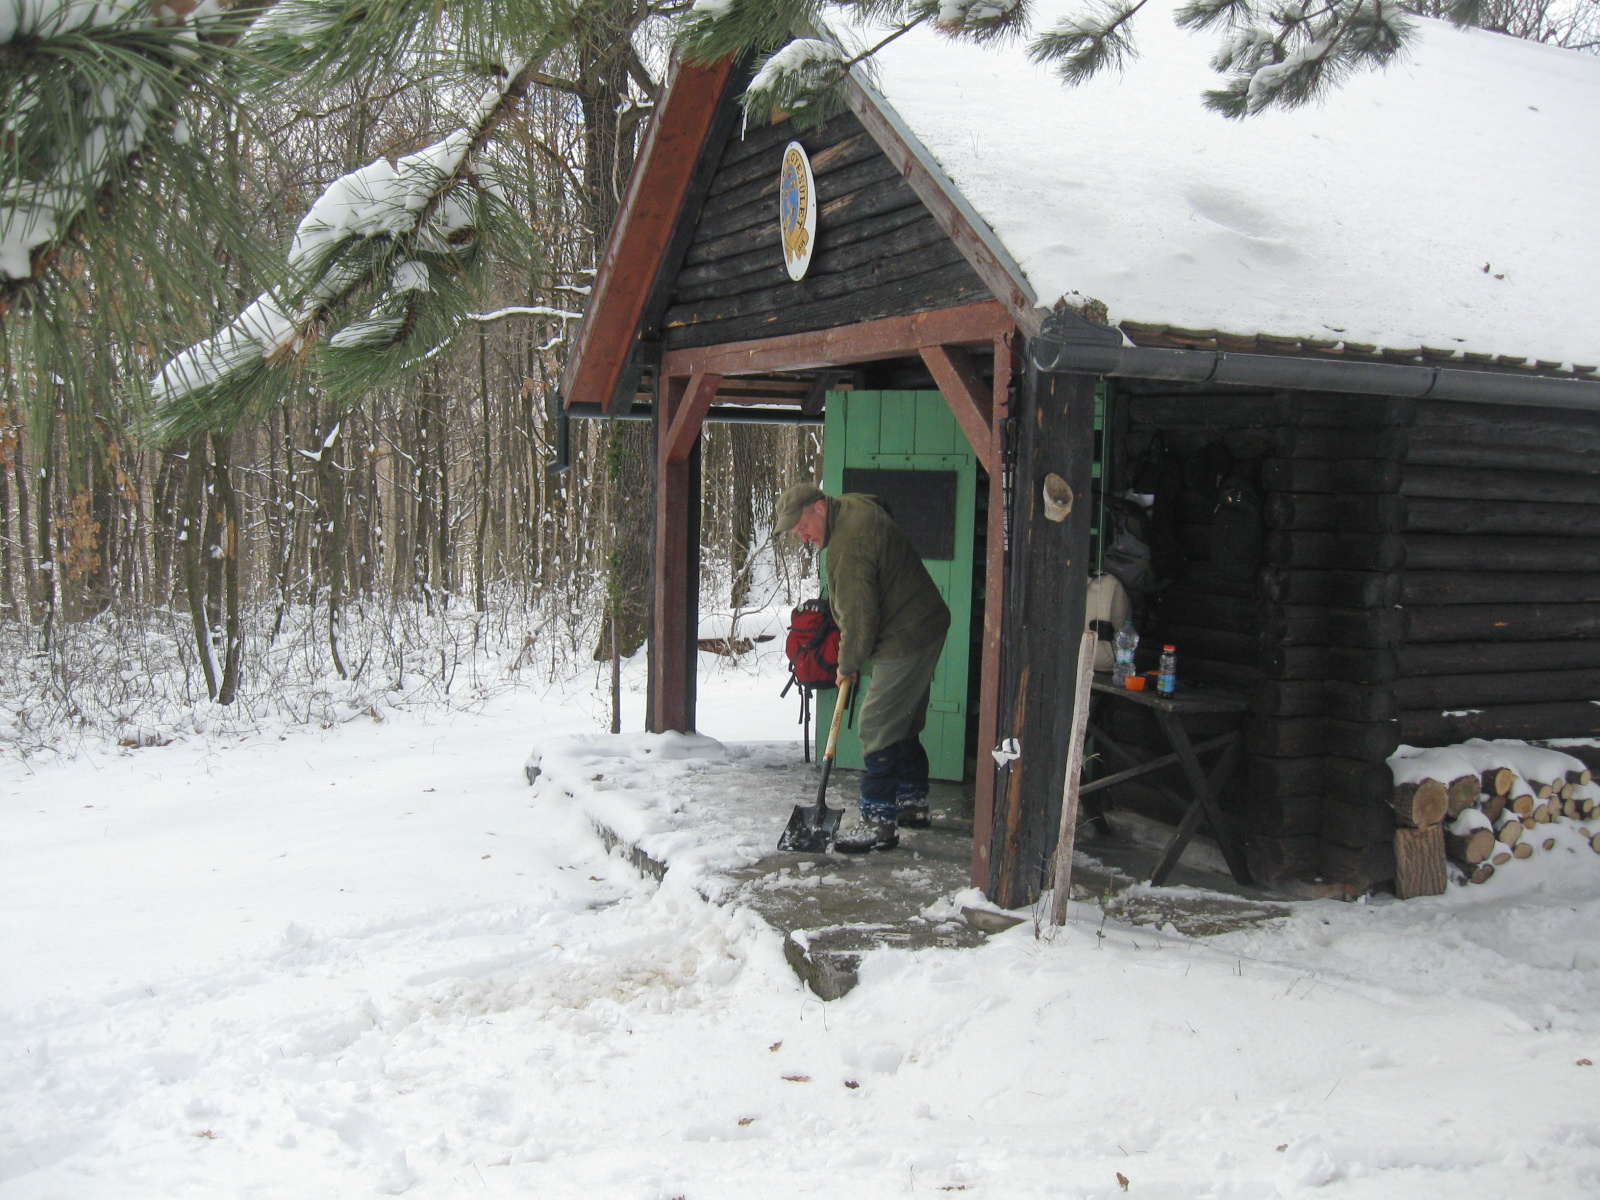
<point>797,210</point>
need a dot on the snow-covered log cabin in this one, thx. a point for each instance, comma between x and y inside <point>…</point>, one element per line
<point>1371,324</point>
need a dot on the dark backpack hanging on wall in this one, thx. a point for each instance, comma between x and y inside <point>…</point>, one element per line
<point>1236,526</point>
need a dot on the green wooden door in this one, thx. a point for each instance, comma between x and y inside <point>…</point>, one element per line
<point>870,440</point>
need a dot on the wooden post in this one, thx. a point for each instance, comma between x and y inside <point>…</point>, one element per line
<point>994,587</point>
<point>1045,619</point>
<point>1067,833</point>
<point>675,611</point>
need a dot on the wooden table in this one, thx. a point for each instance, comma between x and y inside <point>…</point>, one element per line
<point>1201,803</point>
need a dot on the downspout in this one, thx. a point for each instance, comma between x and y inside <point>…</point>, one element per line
<point>1069,343</point>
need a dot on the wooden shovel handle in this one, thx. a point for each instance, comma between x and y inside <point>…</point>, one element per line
<point>839,706</point>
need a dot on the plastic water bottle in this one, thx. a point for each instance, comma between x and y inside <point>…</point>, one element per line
<point>1126,642</point>
<point>1167,680</point>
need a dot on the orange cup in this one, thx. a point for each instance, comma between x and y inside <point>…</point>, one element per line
<point>1134,683</point>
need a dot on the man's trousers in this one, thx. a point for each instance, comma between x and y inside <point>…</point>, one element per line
<point>893,712</point>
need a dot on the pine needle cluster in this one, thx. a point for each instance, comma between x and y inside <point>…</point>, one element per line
<point>1273,53</point>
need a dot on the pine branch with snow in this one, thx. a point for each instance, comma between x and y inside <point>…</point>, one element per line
<point>714,29</point>
<point>1277,54</point>
<point>1286,57</point>
<point>976,20</point>
<point>379,274</point>
<point>85,91</point>
<point>1081,46</point>
<point>802,79</point>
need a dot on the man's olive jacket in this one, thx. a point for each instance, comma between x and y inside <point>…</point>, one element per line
<point>885,602</point>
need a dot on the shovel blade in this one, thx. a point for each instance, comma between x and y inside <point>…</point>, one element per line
<point>809,833</point>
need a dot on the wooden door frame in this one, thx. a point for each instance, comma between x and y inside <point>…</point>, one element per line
<point>686,387</point>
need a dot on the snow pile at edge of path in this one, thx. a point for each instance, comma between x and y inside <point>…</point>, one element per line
<point>632,785</point>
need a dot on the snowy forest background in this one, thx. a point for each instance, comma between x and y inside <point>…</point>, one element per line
<point>340,527</point>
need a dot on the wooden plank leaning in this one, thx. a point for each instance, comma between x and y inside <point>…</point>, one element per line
<point>1067,836</point>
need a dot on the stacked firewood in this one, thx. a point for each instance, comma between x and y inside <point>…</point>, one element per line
<point>1458,818</point>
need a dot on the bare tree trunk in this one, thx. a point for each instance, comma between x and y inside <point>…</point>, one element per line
<point>485,484</point>
<point>191,535</point>
<point>10,447</point>
<point>45,525</point>
<point>227,551</point>
<point>332,521</point>
<point>19,473</point>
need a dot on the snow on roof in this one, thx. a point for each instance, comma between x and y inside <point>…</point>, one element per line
<point>1446,202</point>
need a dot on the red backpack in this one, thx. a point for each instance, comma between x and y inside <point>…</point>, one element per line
<point>813,646</point>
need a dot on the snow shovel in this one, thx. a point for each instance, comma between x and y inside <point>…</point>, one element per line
<point>812,826</point>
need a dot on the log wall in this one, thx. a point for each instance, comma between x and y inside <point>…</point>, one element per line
<point>879,252</point>
<point>1267,633</point>
<point>1430,573</point>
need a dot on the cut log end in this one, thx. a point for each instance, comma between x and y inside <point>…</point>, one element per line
<point>1497,782</point>
<point>1421,804</point>
<point>1472,849</point>
<point>1522,850</point>
<point>1462,792</point>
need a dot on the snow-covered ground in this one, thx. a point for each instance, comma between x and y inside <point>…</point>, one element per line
<point>372,960</point>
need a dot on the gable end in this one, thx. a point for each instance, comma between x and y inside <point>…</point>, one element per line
<point>879,251</point>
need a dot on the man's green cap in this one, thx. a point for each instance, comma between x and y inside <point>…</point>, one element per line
<point>794,501</point>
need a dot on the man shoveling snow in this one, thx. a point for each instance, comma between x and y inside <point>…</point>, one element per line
<point>892,623</point>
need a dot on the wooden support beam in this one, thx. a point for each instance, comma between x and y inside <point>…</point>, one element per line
<point>967,395</point>
<point>868,341</point>
<point>675,611</point>
<point>689,417</point>
<point>1045,616</point>
<point>994,568</point>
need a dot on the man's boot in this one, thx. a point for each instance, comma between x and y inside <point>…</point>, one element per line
<point>874,828</point>
<point>911,783</point>
<point>914,813</point>
<point>866,833</point>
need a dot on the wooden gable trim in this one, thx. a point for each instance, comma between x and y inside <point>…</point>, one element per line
<point>674,141</point>
<point>968,231</point>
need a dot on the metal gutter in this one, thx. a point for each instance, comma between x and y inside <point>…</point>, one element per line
<point>726,414</point>
<point>1070,343</point>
